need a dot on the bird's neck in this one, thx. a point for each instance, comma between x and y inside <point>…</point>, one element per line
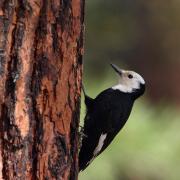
<point>123,88</point>
<point>138,92</point>
<point>134,93</point>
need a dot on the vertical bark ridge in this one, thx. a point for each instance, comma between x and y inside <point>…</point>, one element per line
<point>15,117</point>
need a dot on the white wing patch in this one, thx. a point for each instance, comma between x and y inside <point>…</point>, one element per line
<point>100,144</point>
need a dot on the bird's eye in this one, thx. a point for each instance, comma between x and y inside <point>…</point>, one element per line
<point>130,76</point>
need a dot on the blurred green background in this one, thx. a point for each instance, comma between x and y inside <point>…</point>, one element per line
<point>143,36</point>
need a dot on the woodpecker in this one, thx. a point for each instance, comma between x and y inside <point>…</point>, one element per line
<point>107,114</point>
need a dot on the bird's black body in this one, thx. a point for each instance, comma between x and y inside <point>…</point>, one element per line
<point>106,114</point>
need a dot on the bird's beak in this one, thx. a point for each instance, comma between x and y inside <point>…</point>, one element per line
<point>118,70</point>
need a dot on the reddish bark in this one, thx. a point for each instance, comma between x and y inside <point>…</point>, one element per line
<point>41,46</point>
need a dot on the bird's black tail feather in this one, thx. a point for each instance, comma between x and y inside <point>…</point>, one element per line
<point>83,89</point>
<point>88,100</point>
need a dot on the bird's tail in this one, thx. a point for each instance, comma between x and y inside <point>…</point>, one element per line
<point>83,89</point>
<point>88,100</point>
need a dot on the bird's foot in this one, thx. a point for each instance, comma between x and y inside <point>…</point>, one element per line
<point>81,135</point>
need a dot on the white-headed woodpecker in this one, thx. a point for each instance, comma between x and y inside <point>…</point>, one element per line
<point>107,114</point>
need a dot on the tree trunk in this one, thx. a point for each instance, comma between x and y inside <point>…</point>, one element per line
<point>41,46</point>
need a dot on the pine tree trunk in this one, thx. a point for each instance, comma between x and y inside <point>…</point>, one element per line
<point>41,46</point>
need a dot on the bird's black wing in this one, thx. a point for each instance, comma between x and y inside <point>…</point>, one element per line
<point>101,125</point>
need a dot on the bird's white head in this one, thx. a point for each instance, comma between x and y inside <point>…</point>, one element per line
<point>129,81</point>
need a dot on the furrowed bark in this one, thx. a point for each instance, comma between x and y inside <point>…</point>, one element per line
<point>41,47</point>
